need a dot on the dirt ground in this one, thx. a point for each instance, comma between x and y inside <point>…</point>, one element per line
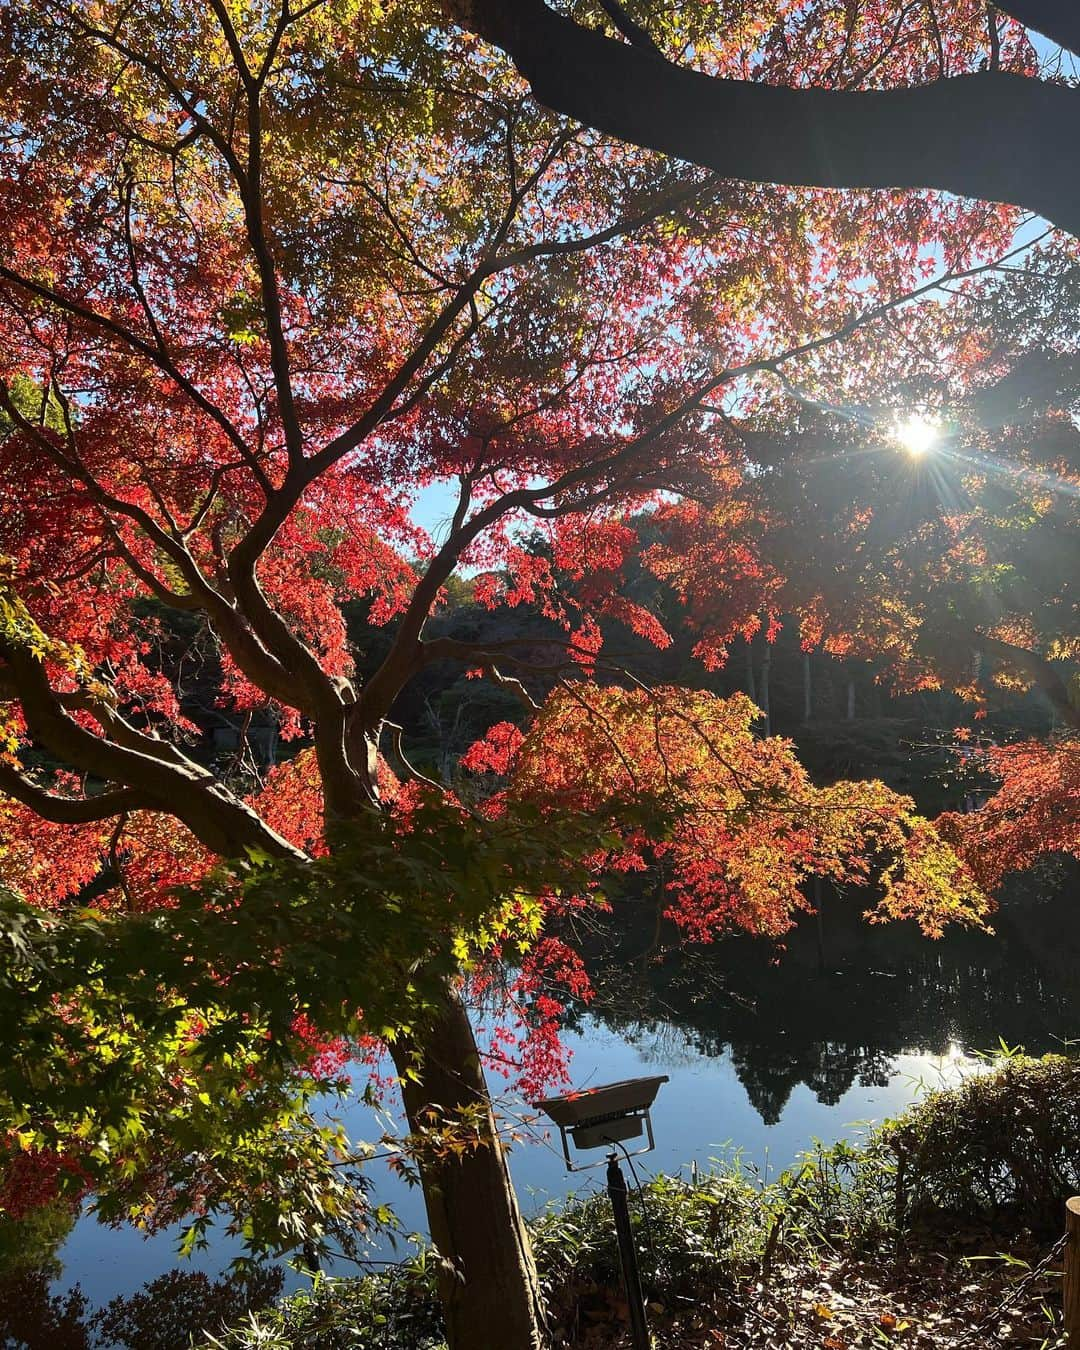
<point>960,1296</point>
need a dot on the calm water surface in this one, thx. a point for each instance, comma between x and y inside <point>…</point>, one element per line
<point>764,1057</point>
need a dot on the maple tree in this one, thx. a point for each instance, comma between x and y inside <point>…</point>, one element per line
<point>1034,812</point>
<point>266,274</point>
<point>950,566</point>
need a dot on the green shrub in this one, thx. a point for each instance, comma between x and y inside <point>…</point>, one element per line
<point>395,1310</point>
<point>1002,1145</point>
<point>1005,1144</point>
<point>714,1225</point>
<point>707,1229</point>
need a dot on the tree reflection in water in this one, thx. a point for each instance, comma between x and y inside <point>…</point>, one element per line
<point>842,998</point>
<point>834,1008</point>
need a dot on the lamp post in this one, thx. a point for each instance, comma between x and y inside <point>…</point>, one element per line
<point>601,1117</point>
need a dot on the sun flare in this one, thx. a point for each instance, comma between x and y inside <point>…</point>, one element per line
<point>917,434</point>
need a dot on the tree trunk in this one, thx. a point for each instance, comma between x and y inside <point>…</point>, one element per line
<point>487,1283</point>
<point>763,687</point>
<point>807,690</point>
<point>851,700</point>
<point>750,689</point>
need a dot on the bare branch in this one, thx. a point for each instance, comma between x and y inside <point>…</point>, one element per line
<point>218,819</point>
<point>69,810</point>
<point>512,685</point>
<point>632,31</point>
<point>410,769</point>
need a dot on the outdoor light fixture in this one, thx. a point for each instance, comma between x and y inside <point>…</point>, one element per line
<point>600,1116</point>
<point>603,1117</point>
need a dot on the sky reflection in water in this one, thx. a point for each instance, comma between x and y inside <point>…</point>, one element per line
<point>763,1057</point>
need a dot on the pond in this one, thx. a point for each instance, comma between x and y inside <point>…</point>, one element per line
<point>765,1051</point>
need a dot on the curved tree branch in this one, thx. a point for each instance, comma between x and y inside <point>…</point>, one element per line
<point>238,630</point>
<point>222,822</point>
<point>68,810</point>
<point>995,136</point>
<point>1058,21</point>
<point>1046,675</point>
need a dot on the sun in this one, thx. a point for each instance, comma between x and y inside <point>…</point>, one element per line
<point>917,434</point>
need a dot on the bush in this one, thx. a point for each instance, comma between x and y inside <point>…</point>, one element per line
<point>1001,1146</point>
<point>715,1225</point>
<point>396,1310</point>
<point>706,1230</point>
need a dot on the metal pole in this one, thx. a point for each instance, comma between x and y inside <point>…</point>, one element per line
<point>1071,1282</point>
<point>616,1186</point>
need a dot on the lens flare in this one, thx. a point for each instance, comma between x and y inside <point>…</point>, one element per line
<point>917,434</point>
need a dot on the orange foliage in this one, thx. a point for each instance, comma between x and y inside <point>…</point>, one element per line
<point>681,778</point>
<point>1035,811</point>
